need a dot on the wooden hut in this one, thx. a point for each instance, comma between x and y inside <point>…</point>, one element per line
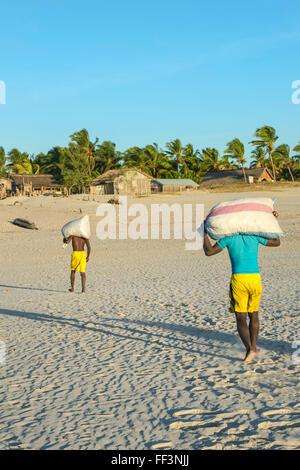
<point>5,187</point>
<point>124,181</point>
<point>172,185</point>
<point>35,184</point>
<point>234,176</point>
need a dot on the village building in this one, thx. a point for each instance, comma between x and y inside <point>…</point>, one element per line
<point>5,187</point>
<point>29,185</point>
<point>124,181</point>
<point>234,176</point>
<point>172,185</point>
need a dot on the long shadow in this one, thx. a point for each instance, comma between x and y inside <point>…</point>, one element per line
<point>207,334</point>
<point>219,336</point>
<point>32,288</point>
<point>75,324</point>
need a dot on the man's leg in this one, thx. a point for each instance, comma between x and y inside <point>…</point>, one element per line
<point>253,307</point>
<point>243,329</point>
<point>254,329</point>
<point>72,281</point>
<point>244,332</point>
<point>83,279</point>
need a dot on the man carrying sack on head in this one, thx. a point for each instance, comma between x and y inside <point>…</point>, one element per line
<point>78,231</point>
<point>245,285</point>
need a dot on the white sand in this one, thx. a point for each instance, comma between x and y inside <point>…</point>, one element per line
<point>149,357</point>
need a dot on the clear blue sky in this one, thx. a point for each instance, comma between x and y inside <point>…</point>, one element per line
<point>138,72</point>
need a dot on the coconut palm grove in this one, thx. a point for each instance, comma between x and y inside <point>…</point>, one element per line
<point>82,160</point>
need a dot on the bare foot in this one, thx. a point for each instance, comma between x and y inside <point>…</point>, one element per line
<point>250,357</point>
<point>83,292</point>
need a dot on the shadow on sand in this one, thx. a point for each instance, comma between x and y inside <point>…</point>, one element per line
<point>32,288</point>
<point>152,332</point>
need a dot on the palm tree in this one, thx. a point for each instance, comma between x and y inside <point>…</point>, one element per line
<point>236,150</point>
<point>281,155</point>
<point>34,165</point>
<point>266,139</point>
<point>193,161</point>
<point>211,160</point>
<point>297,149</point>
<point>156,162</point>
<point>22,163</point>
<point>191,156</point>
<point>74,169</point>
<point>50,162</point>
<point>106,157</point>
<point>134,158</point>
<point>296,160</point>
<point>81,140</point>
<point>226,164</point>
<point>189,152</point>
<point>175,151</point>
<point>258,159</point>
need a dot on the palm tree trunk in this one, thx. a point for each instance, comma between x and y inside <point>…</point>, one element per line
<point>273,167</point>
<point>245,179</point>
<point>292,176</point>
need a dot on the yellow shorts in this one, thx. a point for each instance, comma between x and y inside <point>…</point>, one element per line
<point>245,293</point>
<point>78,261</point>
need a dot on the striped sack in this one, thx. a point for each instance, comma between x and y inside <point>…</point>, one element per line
<point>247,216</point>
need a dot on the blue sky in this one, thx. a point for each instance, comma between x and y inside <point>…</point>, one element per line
<point>140,72</point>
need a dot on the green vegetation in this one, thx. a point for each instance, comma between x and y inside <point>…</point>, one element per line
<point>83,160</point>
<point>236,150</point>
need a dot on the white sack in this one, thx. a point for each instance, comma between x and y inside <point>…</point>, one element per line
<point>247,216</point>
<point>78,228</point>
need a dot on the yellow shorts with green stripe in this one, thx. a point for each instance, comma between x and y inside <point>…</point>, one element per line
<point>78,261</point>
<point>245,293</point>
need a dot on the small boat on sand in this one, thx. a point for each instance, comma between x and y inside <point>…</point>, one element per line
<point>25,224</point>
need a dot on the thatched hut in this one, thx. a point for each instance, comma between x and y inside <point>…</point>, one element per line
<point>5,187</point>
<point>123,181</point>
<point>35,184</point>
<point>218,178</point>
<point>172,185</point>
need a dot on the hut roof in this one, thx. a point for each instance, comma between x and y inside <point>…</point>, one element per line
<point>111,175</point>
<point>231,176</point>
<point>37,181</point>
<point>176,182</point>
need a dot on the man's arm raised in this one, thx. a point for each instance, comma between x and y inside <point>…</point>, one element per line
<point>274,241</point>
<point>210,249</point>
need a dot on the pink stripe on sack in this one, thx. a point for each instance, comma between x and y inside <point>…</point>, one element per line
<point>248,206</point>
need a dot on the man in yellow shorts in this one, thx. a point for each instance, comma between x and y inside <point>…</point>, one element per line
<point>79,259</point>
<point>245,285</point>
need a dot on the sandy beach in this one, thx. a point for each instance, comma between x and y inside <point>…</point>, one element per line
<point>150,357</point>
